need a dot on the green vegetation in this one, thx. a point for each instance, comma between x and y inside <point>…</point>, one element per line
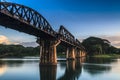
<point>61,51</point>
<point>98,47</point>
<point>107,56</point>
<point>17,51</point>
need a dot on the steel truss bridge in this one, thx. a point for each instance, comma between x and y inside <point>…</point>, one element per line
<point>27,20</point>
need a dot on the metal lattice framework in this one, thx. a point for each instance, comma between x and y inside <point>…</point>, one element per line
<point>26,15</point>
<point>66,35</point>
<point>35,20</point>
<point>79,44</point>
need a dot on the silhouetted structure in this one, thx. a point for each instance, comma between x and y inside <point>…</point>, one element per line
<point>27,20</point>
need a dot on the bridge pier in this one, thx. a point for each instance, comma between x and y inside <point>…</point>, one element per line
<point>83,53</point>
<point>78,55</point>
<point>48,54</point>
<point>70,54</point>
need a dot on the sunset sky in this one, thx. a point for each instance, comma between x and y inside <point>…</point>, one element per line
<point>83,18</point>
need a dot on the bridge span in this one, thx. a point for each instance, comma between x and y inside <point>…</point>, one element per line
<point>27,20</point>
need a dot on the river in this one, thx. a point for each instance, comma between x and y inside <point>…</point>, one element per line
<point>81,69</point>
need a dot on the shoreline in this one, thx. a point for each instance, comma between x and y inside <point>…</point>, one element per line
<point>107,56</point>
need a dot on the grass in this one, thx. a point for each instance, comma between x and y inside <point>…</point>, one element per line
<point>107,56</point>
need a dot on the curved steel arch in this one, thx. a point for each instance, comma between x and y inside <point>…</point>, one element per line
<point>35,21</point>
<point>26,15</point>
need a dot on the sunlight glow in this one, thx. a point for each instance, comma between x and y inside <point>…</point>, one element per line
<point>3,69</point>
<point>4,40</point>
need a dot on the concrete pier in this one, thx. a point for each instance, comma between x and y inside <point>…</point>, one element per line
<point>48,54</point>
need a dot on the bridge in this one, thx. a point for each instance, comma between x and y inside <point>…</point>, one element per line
<point>27,20</point>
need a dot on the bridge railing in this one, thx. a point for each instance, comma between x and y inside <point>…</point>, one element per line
<point>66,35</point>
<point>26,15</point>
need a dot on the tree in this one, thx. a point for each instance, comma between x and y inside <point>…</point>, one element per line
<point>96,45</point>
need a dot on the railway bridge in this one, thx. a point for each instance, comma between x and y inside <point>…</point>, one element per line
<point>27,20</point>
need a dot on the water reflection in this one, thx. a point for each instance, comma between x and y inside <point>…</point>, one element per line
<point>96,66</point>
<point>72,71</point>
<point>99,60</point>
<point>91,69</point>
<point>48,72</point>
<point>3,68</point>
<point>19,70</point>
<point>5,64</point>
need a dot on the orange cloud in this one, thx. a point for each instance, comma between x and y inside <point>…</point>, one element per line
<point>4,40</point>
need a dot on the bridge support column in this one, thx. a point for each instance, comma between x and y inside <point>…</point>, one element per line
<point>48,54</point>
<point>83,54</point>
<point>67,53</point>
<point>71,53</point>
<point>78,55</point>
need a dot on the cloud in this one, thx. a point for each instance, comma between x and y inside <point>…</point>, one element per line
<point>4,40</point>
<point>29,44</point>
<point>114,39</point>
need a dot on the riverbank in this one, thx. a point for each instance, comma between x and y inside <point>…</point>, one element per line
<point>107,56</point>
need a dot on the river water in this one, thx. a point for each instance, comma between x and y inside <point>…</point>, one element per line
<point>81,69</point>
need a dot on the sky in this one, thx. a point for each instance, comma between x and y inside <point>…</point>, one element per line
<point>83,18</point>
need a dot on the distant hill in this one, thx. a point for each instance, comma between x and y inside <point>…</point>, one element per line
<point>95,45</point>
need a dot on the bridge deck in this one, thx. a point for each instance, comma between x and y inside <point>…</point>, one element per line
<point>10,22</point>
